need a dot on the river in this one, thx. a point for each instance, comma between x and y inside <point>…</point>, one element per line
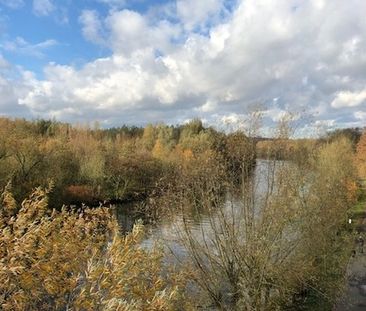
<point>169,230</point>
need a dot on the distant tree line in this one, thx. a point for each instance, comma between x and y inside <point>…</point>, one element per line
<point>90,164</point>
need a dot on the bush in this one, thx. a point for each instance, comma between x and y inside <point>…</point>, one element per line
<point>77,260</point>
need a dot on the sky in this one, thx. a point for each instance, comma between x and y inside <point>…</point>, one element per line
<point>137,61</point>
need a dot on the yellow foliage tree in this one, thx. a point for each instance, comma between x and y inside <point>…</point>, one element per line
<point>160,151</point>
<point>361,155</point>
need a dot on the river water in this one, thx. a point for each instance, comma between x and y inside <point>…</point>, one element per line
<point>169,230</point>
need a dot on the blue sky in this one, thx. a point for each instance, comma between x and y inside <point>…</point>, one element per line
<point>23,22</point>
<point>138,61</point>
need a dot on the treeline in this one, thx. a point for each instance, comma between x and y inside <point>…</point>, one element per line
<point>89,164</point>
<point>286,148</point>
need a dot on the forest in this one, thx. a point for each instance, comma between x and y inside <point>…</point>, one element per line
<point>62,248</point>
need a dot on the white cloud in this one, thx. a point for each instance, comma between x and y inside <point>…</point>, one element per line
<point>126,31</point>
<point>360,115</point>
<point>194,13</point>
<point>50,8</point>
<point>4,64</point>
<point>208,106</point>
<point>91,26</point>
<point>12,89</point>
<point>160,69</point>
<point>349,99</point>
<point>131,32</point>
<point>43,7</point>
<point>21,46</point>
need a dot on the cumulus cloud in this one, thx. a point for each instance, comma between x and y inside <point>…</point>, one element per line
<point>11,90</point>
<point>195,14</point>
<point>131,32</point>
<point>204,64</point>
<point>92,28</point>
<point>349,99</point>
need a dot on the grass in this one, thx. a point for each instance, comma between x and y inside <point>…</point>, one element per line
<point>359,208</point>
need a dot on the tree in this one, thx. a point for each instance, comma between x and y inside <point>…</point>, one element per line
<point>353,134</point>
<point>192,128</point>
<point>149,137</point>
<point>258,251</point>
<point>361,155</point>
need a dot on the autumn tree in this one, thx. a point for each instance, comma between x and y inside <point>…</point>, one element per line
<point>361,155</point>
<point>258,251</point>
<point>149,137</point>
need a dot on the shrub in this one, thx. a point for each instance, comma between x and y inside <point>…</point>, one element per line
<point>77,260</point>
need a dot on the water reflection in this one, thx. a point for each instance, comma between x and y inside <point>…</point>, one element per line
<point>169,230</point>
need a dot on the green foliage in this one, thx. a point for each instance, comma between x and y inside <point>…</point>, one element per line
<point>192,128</point>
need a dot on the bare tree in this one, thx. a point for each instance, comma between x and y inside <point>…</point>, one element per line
<point>257,251</point>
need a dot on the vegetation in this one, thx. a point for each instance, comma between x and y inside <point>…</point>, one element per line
<point>259,252</point>
<point>77,260</point>
<point>91,165</point>
<point>255,251</point>
<point>352,134</point>
<point>361,155</point>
